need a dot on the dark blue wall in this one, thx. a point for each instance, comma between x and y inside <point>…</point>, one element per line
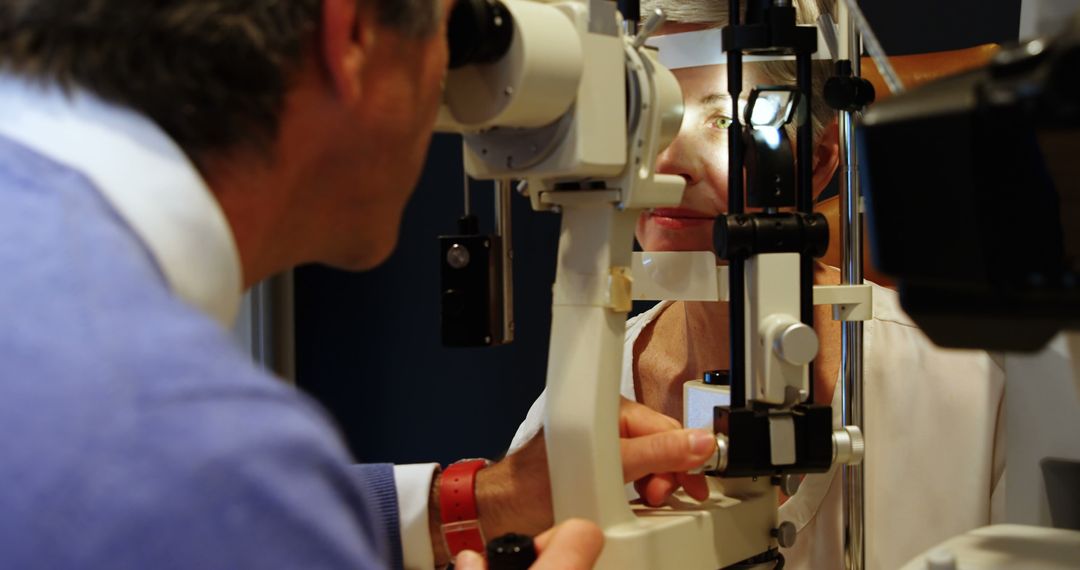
<point>368,344</point>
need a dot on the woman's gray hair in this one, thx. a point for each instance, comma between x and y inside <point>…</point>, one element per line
<point>715,14</point>
<point>716,11</point>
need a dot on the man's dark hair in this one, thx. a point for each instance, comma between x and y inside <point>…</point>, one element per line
<point>211,73</point>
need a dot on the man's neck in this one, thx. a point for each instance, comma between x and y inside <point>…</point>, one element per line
<point>251,192</point>
<point>264,192</point>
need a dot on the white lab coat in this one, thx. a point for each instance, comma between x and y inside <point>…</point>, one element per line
<point>934,445</point>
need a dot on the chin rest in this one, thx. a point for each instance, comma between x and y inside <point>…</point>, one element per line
<point>913,70</point>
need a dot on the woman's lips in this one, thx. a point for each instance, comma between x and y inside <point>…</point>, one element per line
<point>679,218</point>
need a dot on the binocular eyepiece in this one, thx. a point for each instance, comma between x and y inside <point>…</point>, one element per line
<point>480,31</point>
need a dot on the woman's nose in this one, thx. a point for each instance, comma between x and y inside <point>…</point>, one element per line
<point>681,158</point>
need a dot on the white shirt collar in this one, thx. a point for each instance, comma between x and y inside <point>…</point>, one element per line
<point>144,176</point>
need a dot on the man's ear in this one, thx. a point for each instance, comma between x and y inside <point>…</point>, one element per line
<point>826,157</point>
<point>345,43</point>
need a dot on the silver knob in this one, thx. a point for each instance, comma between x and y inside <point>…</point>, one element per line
<point>457,256</point>
<point>848,445</point>
<point>652,23</point>
<point>797,344</point>
<point>785,534</point>
<point>718,460</point>
<point>941,560</point>
<point>789,484</point>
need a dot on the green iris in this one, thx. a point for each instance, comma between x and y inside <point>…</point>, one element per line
<point>720,122</point>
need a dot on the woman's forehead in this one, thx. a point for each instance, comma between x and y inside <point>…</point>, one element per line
<point>700,83</point>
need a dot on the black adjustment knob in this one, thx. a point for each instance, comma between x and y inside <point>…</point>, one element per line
<point>733,236</point>
<point>717,378</point>
<point>468,225</point>
<point>743,235</point>
<point>845,92</point>
<point>1019,59</point>
<point>815,235</point>
<point>511,552</point>
<point>479,31</point>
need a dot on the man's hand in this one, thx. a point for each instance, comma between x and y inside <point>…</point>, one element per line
<point>657,452</point>
<point>514,495</point>
<point>573,545</point>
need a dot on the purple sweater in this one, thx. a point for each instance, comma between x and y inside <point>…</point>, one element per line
<point>133,432</point>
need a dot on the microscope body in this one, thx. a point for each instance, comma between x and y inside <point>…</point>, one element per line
<point>579,112</point>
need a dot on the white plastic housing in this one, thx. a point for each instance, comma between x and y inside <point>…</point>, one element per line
<point>678,276</point>
<point>699,399</point>
<point>772,282</point>
<point>581,418</point>
<point>1005,547</point>
<point>661,118</point>
<point>592,137</point>
<point>532,86</point>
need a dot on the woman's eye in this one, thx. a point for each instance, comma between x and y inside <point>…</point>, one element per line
<point>720,122</point>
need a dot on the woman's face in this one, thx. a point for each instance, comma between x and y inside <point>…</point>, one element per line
<point>700,155</point>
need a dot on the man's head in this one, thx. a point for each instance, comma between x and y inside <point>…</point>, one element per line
<point>699,153</point>
<point>212,73</point>
<point>339,94</point>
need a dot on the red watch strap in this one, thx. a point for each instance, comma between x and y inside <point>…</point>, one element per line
<point>457,505</point>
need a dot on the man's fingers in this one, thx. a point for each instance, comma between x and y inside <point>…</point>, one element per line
<point>654,490</point>
<point>573,545</point>
<point>636,420</point>
<point>676,450</point>
<point>469,560</point>
<point>657,488</point>
<point>696,486</point>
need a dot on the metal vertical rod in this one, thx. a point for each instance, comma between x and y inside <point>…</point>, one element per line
<point>851,339</point>
<point>804,148</point>
<point>271,325</point>
<point>737,267</point>
<point>468,195</point>
<point>506,253</point>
